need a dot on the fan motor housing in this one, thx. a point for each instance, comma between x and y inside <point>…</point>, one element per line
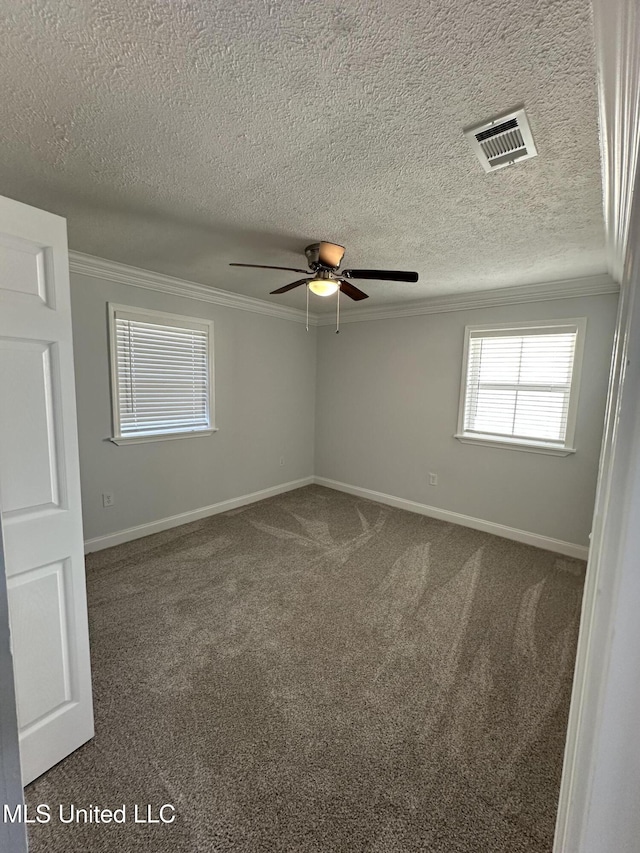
<point>313,253</point>
<point>324,255</point>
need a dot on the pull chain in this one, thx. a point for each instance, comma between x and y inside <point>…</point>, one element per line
<point>307,308</point>
<point>338,313</point>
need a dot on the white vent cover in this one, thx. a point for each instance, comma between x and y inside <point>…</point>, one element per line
<point>502,141</point>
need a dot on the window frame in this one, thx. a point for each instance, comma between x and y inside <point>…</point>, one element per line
<point>525,444</point>
<point>162,318</point>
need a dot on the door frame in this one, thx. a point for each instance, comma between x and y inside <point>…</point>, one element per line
<point>13,836</point>
<point>599,774</point>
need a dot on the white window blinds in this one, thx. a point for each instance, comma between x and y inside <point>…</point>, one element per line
<point>519,383</point>
<point>161,374</point>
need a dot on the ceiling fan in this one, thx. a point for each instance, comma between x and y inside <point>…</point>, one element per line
<point>324,260</point>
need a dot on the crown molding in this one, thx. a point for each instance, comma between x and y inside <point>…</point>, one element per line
<point>569,289</point>
<point>93,267</point>
<point>616,27</point>
<point>88,265</point>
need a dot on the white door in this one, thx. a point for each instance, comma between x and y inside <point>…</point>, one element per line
<point>40,490</point>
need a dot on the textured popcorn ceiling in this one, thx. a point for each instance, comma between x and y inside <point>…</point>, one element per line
<point>179,136</point>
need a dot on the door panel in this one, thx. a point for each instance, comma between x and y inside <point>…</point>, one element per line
<point>40,490</point>
<point>23,265</point>
<point>42,666</point>
<point>28,453</point>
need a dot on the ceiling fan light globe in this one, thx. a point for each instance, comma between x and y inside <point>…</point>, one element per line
<point>322,286</point>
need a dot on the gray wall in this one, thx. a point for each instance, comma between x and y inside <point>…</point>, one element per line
<point>381,400</point>
<point>387,407</point>
<point>264,399</point>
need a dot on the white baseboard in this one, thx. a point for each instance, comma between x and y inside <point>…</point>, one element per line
<point>110,539</point>
<point>535,539</point>
<point>567,548</point>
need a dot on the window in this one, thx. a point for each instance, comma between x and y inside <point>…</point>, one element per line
<point>520,385</point>
<point>161,375</point>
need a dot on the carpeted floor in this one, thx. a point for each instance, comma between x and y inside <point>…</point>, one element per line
<point>317,672</point>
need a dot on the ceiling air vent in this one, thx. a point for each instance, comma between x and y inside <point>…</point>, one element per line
<point>502,141</point>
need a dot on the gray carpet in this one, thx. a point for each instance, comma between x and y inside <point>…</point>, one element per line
<point>318,672</point>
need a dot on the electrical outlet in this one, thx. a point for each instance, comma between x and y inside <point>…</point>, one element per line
<point>282,460</point>
<point>433,479</point>
<point>107,499</point>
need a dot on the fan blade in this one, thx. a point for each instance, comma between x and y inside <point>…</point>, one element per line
<point>352,291</point>
<point>263,267</point>
<point>330,255</point>
<point>382,275</point>
<point>291,286</point>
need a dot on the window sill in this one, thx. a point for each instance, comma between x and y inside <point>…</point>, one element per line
<point>167,436</point>
<point>513,444</point>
